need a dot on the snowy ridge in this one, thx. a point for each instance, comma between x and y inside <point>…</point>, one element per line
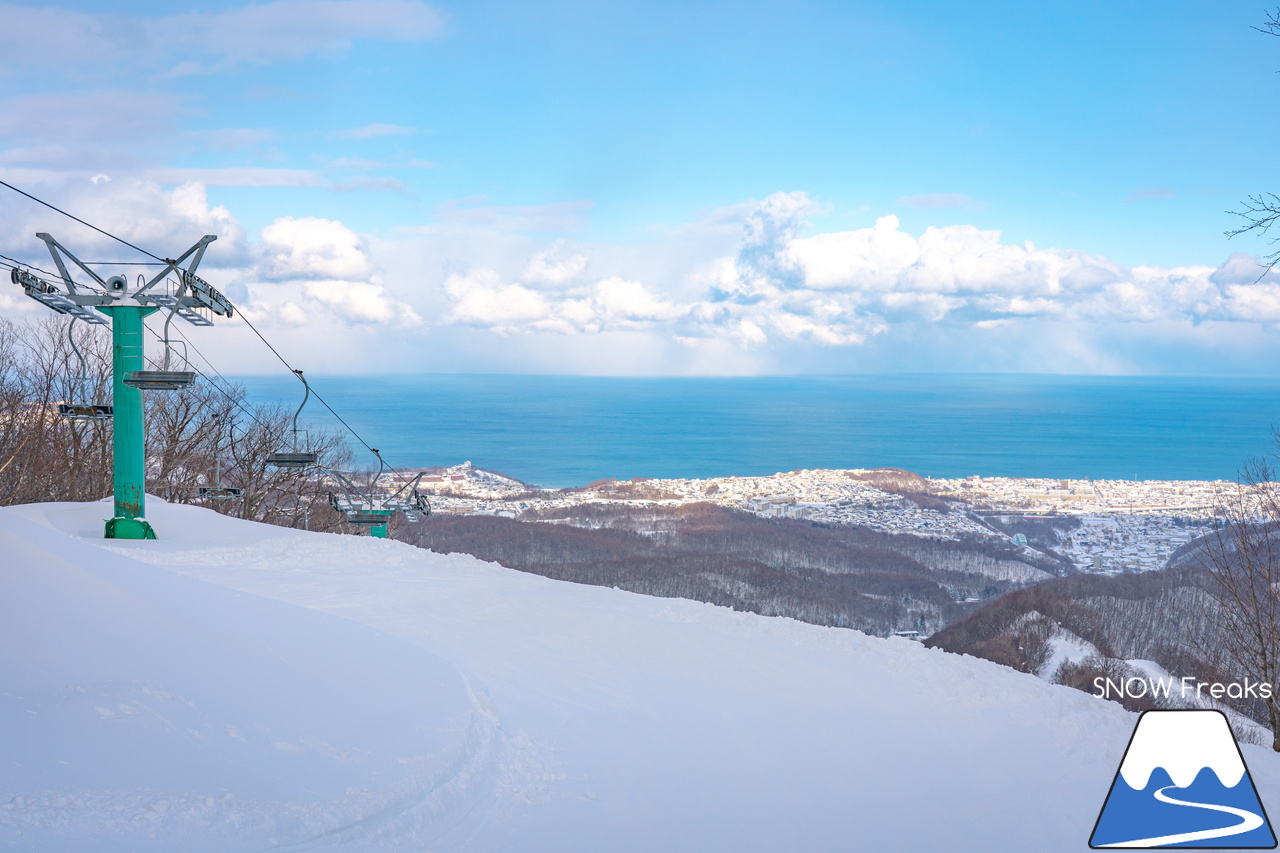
<point>1183,743</point>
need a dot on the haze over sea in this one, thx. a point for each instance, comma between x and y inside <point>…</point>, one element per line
<point>560,431</point>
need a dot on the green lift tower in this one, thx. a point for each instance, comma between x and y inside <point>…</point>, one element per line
<point>176,290</point>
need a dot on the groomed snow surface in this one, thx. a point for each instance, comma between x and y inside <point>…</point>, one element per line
<point>239,687</point>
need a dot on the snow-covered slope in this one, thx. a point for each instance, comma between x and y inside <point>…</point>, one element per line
<point>233,686</point>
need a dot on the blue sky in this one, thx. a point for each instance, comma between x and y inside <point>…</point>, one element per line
<point>672,188</point>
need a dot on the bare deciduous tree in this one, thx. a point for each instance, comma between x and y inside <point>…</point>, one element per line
<point>1241,637</point>
<point>1261,211</point>
<point>203,435</point>
<point>45,457</point>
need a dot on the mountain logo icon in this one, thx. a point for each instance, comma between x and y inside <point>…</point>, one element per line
<point>1183,783</point>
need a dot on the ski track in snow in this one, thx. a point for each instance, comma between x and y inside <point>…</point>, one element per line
<point>603,720</point>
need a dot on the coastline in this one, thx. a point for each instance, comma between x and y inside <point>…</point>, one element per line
<point>1114,525</point>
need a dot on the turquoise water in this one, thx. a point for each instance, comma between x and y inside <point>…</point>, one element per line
<point>569,430</point>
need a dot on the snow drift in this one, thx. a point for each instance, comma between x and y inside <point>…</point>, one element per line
<point>234,686</point>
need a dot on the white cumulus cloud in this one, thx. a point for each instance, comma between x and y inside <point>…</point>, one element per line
<point>481,299</point>
<point>557,264</point>
<point>164,222</point>
<point>361,302</point>
<point>323,264</point>
<point>845,288</point>
<point>312,248</point>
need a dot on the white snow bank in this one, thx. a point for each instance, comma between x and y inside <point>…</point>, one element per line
<point>153,700</point>
<point>544,715</point>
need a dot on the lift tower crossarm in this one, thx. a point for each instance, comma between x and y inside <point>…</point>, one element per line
<point>202,294</point>
<point>54,246</point>
<point>197,249</point>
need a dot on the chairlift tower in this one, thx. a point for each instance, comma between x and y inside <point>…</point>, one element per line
<point>373,509</point>
<point>194,300</point>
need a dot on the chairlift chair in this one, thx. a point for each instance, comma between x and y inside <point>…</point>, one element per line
<point>291,460</point>
<point>79,411</point>
<point>295,458</point>
<point>407,499</point>
<point>220,493</point>
<point>368,518</point>
<point>357,506</point>
<point>85,411</point>
<point>418,509</point>
<point>164,379</point>
<point>159,380</point>
<point>357,509</point>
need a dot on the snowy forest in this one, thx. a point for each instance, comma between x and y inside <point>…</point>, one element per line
<point>847,577</point>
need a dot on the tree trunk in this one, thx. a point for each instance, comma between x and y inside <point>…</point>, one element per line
<point>1273,712</point>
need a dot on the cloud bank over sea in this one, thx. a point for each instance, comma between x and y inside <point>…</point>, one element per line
<point>746,288</point>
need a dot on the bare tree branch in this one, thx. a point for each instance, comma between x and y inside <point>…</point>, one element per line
<point>1262,210</point>
<point>1242,586</point>
<point>1271,26</point>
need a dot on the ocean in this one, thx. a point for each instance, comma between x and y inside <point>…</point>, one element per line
<point>558,431</point>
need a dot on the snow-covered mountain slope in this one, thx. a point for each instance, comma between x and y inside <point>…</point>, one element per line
<point>233,686</point>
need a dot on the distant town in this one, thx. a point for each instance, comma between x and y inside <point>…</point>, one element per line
<point>1124,525</point>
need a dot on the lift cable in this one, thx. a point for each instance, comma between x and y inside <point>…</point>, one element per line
<point>230,397</point>
<point>82,222</point>
<point>314,393</point>
<point>13,263</point>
